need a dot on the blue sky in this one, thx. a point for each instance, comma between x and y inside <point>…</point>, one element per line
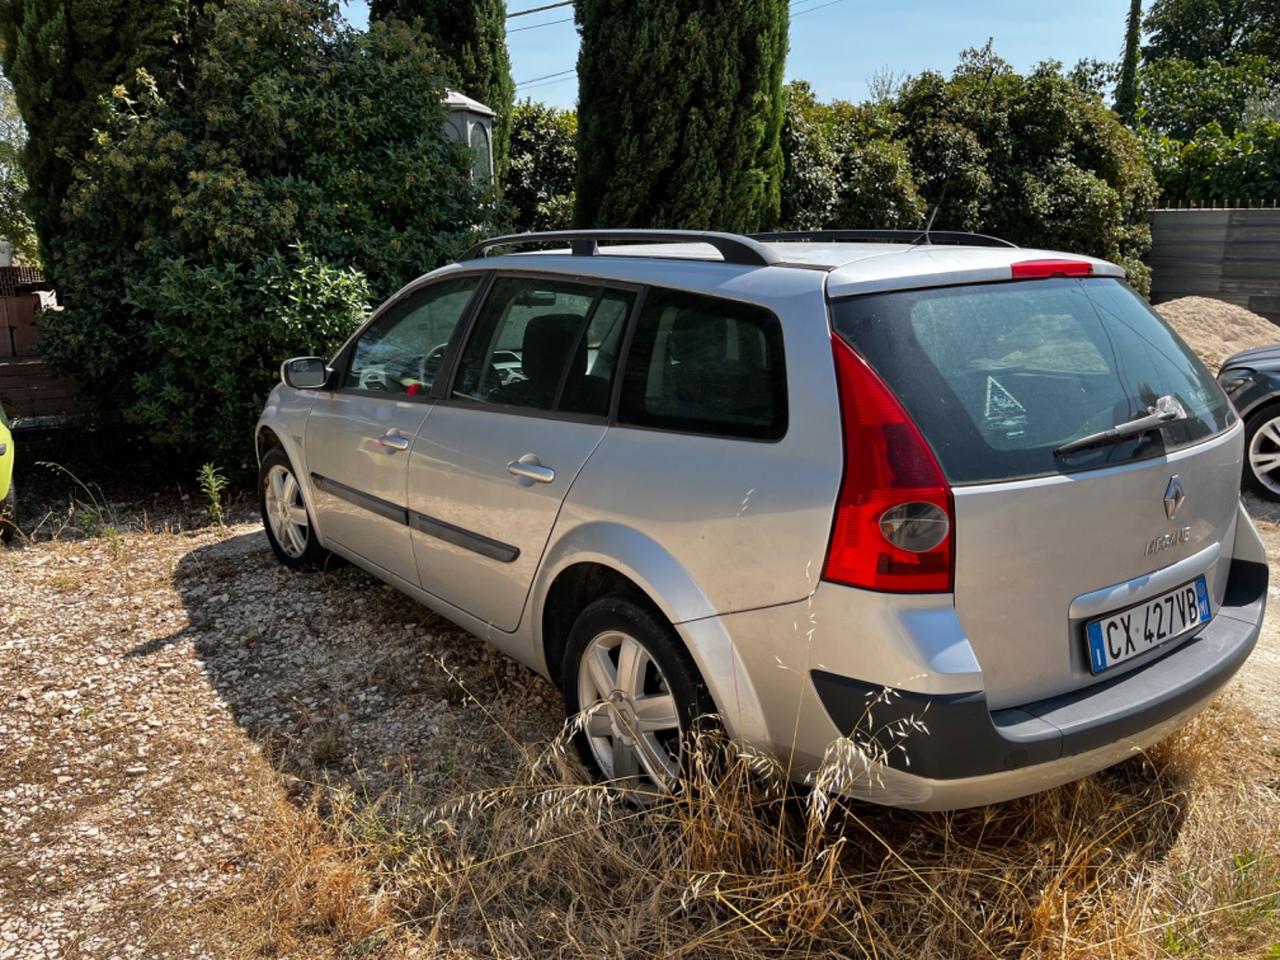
<point>840,47</point>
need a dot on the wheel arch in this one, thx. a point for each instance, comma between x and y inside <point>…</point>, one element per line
<point>600,558</point>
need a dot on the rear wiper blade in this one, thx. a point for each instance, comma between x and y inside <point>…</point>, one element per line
<point>1166,411</point>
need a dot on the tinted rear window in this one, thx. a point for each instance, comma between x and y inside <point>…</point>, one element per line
<point>704,365</point>
<point>998,376</point>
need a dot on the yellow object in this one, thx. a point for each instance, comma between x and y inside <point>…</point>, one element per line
<point>6,459</point>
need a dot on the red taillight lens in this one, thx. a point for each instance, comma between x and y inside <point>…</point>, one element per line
<point>887,465</point>
<point>1040,269</point>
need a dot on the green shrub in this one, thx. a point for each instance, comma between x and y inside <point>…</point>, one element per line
<point>216,230</point>
<point>472,36</point>
<point>843,167</point>
<point>1221,167</point>
<point>538,188</point>
<point>1179,97</point>
<point>1033,159</point>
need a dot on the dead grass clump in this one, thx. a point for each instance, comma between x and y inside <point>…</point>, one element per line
<point>1174,853</point>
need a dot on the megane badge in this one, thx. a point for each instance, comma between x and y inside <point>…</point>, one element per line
<point>1174,496</point>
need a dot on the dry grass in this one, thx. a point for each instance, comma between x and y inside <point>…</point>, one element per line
<point>1173,854</point>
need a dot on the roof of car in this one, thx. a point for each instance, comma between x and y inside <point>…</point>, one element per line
<point>850,267</point>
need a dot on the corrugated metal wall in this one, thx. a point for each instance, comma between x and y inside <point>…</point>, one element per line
<point>1231,255</point>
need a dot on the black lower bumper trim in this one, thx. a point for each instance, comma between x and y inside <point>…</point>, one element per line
<point>965,739</point>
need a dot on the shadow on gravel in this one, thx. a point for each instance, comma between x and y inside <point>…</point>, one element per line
<point>344,680</point>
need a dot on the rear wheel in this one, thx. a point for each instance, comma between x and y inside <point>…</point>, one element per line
<point>643,695</point>
<point>1262,453</point>
<point>285,516</point>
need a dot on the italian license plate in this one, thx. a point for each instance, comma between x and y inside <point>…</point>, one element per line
<point>1132,632</point>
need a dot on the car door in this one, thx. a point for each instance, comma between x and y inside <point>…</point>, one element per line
<point>358,436</point>
<point>528,404</point>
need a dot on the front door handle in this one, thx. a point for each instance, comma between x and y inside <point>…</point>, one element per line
<point>394,442</point>
<point>529,467</point>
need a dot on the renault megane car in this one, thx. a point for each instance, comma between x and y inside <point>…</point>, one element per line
<point>817,485</point>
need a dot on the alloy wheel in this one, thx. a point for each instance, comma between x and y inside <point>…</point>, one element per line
<point>1264,455</point>
<point>286,511</point>
<point>632,724</point>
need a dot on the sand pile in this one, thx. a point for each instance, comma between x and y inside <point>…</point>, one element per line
<point>1215,329</point>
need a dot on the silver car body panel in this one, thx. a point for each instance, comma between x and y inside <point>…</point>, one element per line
<point>728,536</point>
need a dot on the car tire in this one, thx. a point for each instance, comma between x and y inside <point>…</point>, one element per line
<point>636,735</point>
<point>1261,444</point>
<point>285,516</point>
<point>9,516</point>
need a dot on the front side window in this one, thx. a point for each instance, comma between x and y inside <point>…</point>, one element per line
<point>400,353</point>
<point>1000,376</point>
<point>544,344</point>
<point>705,365</point>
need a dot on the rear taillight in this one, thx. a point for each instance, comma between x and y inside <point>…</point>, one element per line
<point>894,527</point>
<point>1042,269</point>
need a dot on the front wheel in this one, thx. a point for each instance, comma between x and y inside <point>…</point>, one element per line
<point>1262,453</point>
<point>285,516</point>
<point>641,692</point>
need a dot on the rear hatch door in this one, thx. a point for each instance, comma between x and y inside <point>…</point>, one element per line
<point>999,377</point>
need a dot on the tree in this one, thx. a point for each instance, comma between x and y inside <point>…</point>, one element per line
<point>1201,30</point>
<point>538,187</point>
<point>62,56</point>
<point>211,233</point>
<point>1127,87</point>
<point>1030,158</point>
<point>472,35</point>
<point>15,225</point>
<point>680,112</point>
<point>1178,97</point>
<point>844,169</point>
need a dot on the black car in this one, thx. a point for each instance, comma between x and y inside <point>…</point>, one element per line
<point>1252,381</point>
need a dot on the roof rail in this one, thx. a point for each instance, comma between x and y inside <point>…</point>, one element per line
<point>955,237</point>
<point>735,248</point>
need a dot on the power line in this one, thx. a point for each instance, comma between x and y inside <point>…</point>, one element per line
<point>547,76</point>
<point>829,3</point>
<point>545,83</point>
<point>545,6</point>
<point>535,26</point>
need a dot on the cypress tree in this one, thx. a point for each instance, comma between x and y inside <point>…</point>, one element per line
<point>680,111</point>
<point>472,35</point>
<point>1127,86</point>
<point>62,56</point>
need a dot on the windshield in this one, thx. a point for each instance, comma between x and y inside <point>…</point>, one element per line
<point>999,376</point>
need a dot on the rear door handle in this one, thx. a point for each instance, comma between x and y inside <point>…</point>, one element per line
<point>394,442</point>
<point>529,467</point>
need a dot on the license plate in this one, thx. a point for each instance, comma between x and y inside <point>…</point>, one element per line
<point>1132,632</point>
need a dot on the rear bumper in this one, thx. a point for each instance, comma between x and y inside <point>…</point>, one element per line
<point>966,742</point>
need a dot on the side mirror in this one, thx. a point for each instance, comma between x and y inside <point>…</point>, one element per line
<point>305,373</point>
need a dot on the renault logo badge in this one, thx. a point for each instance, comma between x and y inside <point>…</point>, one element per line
<point>1174,496</point>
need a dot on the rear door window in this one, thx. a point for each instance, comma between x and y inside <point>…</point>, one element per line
<point>705,365</point>
<point>999,376</point>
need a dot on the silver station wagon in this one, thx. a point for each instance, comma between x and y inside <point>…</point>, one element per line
<point>815,484</point>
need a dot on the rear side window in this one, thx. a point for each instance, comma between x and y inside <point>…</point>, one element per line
<point>704,365</point>
<point>999,376</point>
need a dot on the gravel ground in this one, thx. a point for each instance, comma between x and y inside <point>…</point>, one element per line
<point>159,689</point>
<point>164,689</point>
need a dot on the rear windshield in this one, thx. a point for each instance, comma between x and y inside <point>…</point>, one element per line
<point>999,376</point>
